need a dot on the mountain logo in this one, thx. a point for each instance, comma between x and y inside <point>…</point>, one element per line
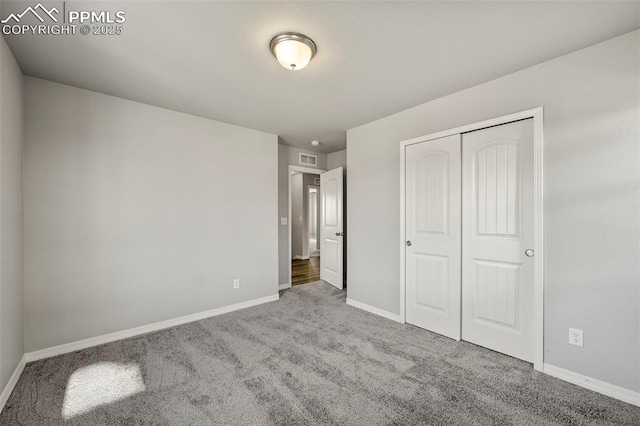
<point>34,11</point>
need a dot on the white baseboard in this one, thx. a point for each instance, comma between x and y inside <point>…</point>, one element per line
<point>6,392</point>
<point>374,310</point>
<point>119,335</point>
<point>284,286</point>
<point>298,257</point>
<point>595,385</point>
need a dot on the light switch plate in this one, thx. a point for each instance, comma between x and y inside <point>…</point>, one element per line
<point>283,221</point>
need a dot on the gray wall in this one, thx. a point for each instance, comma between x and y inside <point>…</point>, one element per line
<point>11,122</point>
<point>136,214</point>
<point>288,156</point>
<point>591,195</point>
<point>337,159</point>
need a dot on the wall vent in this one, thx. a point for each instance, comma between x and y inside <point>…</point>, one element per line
<point>308,159</point>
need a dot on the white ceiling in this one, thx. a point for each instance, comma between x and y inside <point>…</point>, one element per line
<point>212,59</point>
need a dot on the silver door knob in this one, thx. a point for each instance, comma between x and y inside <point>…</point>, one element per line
<point>529,252</point>
<point>409,243</point>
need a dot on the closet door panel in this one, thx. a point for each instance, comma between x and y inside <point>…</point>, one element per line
<point>497,229</point>
<point>432,253</point>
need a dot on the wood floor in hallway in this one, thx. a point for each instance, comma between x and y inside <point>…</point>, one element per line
<point>305,271</point>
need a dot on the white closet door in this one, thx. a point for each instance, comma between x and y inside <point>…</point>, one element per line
<point>497,229</point>
<point>433,191</point>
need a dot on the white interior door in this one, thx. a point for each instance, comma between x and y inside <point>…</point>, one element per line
<point>433,192</point>
<point>331,229</point>
<point>497,229</point>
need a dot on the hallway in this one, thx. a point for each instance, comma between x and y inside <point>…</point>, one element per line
<point>305,270</point>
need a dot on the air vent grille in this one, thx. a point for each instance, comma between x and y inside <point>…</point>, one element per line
<point>308,159</point>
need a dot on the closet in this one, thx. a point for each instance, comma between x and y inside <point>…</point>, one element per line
<point>469,229</point>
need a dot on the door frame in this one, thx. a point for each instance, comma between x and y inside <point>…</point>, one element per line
<point>289,170</point>
<point>318,211</point>
<point>537,115</point>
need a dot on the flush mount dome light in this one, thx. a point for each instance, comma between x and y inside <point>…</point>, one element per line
<point>293,50</point>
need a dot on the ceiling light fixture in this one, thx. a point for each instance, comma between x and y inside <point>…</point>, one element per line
<point>315,143</point>
<point>293,50</point>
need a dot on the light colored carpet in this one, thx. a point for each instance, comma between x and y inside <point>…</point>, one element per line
<point>306,359</point>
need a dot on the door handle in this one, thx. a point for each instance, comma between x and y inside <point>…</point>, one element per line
<point>409,243</point>
<point>529,252</point>
<point>339,234</point>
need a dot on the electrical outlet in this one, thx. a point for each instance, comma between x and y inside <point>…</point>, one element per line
<point>236,283</point>
<point>576,337</point>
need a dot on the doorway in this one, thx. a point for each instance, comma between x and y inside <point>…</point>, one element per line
<point>304,220</point>
<point>321,258</point>
<point>471,213</point>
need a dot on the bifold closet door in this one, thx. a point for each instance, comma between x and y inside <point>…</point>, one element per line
<point>497,235</point>
<point>432,228</point>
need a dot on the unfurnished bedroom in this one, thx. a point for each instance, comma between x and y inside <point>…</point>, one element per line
<point>319,213</point>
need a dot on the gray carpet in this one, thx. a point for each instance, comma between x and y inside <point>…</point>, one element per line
<point>306,359</point>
